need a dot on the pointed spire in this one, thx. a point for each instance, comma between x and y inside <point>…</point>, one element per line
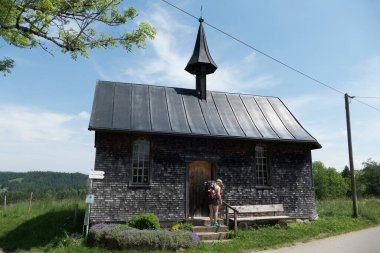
<point>201,62</point>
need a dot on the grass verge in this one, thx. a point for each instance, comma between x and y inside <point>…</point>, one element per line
<point>49,228</point>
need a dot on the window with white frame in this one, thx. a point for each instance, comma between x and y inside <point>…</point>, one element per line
<point>262,167</point>
<point>140,161</point>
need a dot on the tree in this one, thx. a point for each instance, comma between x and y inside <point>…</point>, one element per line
<point>68,24</point>
<point>346,172</point>
<point>328,183</point>
<point>6,64</point>
<point>360,186</point>
<point>371,177</point>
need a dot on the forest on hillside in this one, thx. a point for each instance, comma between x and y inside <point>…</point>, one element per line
<point>44,185</point>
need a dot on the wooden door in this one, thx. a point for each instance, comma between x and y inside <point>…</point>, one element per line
<point>199,172</point>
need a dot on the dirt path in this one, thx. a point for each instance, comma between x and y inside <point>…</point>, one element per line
<point>363,241</point>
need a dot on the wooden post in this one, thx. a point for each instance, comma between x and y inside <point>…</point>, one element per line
<point>235,222</point>
<point>30,201</point>
<point>227,218</point>
<point>353,187</point>
<point>5,202</point>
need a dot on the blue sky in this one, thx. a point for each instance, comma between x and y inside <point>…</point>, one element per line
<point>46,102</point>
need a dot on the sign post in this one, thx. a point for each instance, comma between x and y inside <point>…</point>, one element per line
<point>94,174</point>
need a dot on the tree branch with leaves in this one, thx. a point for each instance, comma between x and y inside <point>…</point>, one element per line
<point>72,25</point>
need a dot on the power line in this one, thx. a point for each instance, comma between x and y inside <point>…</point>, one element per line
<point>172,5</point>
<point>276,60</point>
<point>355,98</point>
<point>269,56</point>
<point>367,97</point>
<point>257,50</point>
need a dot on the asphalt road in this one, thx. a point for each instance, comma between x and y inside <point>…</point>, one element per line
<point>363,241</point>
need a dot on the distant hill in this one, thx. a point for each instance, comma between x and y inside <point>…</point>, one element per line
<point>44,185</point>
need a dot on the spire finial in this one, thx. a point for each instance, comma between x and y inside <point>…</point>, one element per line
<point>201,62</point>
<point>201,12</point>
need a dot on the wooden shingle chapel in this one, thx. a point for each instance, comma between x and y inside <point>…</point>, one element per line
<point>157,146</point>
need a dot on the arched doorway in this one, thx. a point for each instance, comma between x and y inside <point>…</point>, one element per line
<point>199,172</point>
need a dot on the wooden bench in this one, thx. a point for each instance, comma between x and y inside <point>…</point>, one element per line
<point>255,213</point>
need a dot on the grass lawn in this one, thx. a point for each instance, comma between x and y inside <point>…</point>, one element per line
<point>49,227</point>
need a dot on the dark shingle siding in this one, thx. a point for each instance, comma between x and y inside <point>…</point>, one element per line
<point>116,201</point>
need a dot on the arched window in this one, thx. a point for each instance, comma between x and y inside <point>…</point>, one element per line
<point>140,162</point>
<point>262,166</point>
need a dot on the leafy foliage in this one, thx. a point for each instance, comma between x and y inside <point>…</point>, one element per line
<point>371,178</point>
<point>145,221</point>
<point>360,184</point>
<point>182,225</point>
<point>6,64</point>
<point>70,25</point>
<point>112,236</point>
<point>328,183</point>
<point>44,185</point>
<point>346,172</point>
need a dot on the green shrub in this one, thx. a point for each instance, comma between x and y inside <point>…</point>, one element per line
<point>186,226</point>
<point>182,225</point>
<point>144,221</point>
<point>119,237</point>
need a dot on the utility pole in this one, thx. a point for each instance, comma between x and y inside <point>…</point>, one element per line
<point>353,187</point>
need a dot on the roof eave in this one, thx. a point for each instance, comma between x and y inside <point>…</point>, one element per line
<point>314,144</point>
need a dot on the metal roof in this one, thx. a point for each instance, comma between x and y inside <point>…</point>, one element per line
<point>166,110</point>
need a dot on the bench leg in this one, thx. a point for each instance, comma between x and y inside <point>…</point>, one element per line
<point>227,218</point>
<point>282,224</point>
<point>243,225</point>
<point>235,222</point>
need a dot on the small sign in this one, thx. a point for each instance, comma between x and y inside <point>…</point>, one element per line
<point>96,174</point>
<point>90,199</point>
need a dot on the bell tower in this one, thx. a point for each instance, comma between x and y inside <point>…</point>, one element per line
<point>201,62</point>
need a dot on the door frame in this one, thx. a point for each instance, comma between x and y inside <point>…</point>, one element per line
<point>187,184</point>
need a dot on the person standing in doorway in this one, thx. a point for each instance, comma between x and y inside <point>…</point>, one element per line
<point>214,201</point>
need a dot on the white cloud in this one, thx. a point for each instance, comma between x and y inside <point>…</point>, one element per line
<point>168,62</point>
<point>44,140</point>
<point>83,115</point>
<point>24,124</point>
<point>166,65</point>
<point>99,70</point>
<point>233,79</point>
<point>250,58</point>
<point>299,103</point>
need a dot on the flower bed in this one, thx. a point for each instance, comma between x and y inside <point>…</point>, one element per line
<point>114,236</point>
